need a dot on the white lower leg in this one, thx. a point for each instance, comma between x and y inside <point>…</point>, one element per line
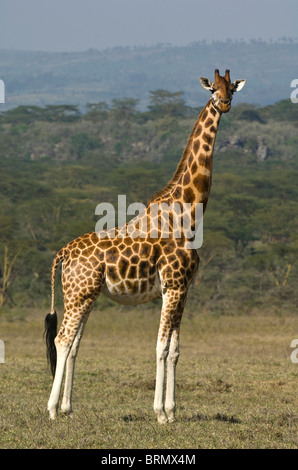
<point>62,354</point>
<point>161,355</point>
<point>66,405</point>
<point>170,405</point>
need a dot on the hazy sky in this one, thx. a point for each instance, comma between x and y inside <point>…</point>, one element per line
<point>74,25</point>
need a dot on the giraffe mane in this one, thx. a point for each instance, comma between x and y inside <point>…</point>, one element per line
<point>179,170</point>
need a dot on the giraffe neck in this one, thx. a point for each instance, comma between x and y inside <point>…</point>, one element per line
<point>194,183</point>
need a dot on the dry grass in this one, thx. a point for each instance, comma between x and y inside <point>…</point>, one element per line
<point>236,385</point>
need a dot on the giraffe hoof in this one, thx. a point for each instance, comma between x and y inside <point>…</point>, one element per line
<point>67,414</point>
<point>162,419</point>
<point>66,410</point>
<point>171,416</point>
<point>52,415</point>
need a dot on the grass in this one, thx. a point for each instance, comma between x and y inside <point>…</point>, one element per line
<point>236,385</point>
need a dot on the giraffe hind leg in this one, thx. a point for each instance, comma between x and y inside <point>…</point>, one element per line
<point>66,406</point>
<point>66,338</point>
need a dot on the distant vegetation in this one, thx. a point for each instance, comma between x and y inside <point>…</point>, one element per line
<point>42,78</point>
<point>58,164</point>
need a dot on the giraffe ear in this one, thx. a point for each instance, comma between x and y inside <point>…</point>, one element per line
<point>205,82</point>
<point>238,85</point>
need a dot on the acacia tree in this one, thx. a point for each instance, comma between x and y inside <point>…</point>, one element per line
<point>164,102</point>
<point>216,245</point>
<point>276,259</point>
<point>96,111</point>
<point>123,108</point>
<point>7,274</point>
<point>64,113</point>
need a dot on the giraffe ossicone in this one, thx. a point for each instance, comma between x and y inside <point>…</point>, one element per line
<point>133,268</point>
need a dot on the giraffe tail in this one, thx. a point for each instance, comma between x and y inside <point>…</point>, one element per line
<point>50,323</point>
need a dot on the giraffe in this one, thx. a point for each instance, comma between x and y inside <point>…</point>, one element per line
<point>133,269</point>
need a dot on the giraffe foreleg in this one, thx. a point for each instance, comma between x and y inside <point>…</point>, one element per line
<point>162,350</point>
<point>167,352</point>
<point>172,359</point>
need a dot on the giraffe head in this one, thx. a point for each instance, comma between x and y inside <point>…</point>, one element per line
<point>222,90</point>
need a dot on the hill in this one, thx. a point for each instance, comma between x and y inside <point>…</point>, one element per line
<point>44,78</point>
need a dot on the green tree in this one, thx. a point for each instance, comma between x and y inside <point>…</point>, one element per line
<point>83,142</point>
<point>276,259</point>
<point>65,113</point>
<point>217,248</point>
<point>23,114</point>
<point>96,111</point>
<point>124,108</point>
<point>163,102</point>
<point>7,273</point>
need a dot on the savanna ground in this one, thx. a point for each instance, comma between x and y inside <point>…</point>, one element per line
<point>236,384</point>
